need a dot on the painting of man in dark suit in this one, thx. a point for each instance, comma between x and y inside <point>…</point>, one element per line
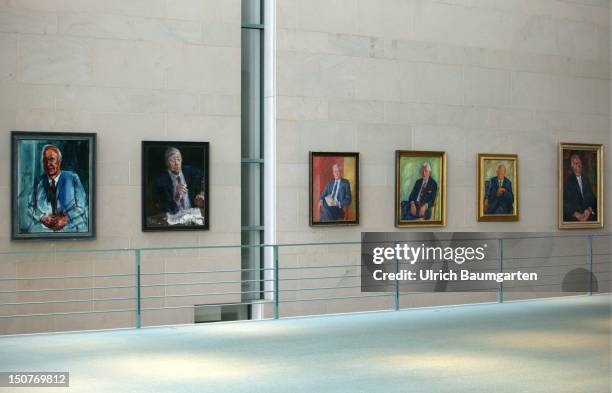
<point>498,182</point>
<point>335,197</point>
<point>579,200</point>
<point>420,188</point>
<point>179,187</point>
<point>581,191</point>
<point>499,197</point>
<point>422,197</point>
<point>175,188</point>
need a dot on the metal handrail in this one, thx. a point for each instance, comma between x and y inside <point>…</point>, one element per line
<point>270,292</point>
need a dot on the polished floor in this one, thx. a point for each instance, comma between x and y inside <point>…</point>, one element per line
<point>545,346</point>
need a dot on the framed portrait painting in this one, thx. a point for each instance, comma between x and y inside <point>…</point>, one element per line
<point>581,186</point>
<point>420,188</point>
<point>53,185</point>
<point>334,188</point>
<point>175,186</point>
<point>498,187</point>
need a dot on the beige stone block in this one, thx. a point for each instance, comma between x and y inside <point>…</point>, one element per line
<point>409,113</point>
<point>487,87</point>
<point>302,108</point>
<point>27,21</point>
<point>440,84</point>
<point>535,91</point>
<point>128,64</point>
<point>356,111</point>
<point>206,69</point>
<point>9,63</point>
<point>56,60</point>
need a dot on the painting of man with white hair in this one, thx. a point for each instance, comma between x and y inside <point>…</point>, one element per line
<point>420,188</point>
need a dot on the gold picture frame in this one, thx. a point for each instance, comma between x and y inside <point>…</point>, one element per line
<point>494,205</point>
<point>409,187</point>
<point>573,196</point>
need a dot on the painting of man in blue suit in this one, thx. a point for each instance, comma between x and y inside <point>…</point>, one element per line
<point>422,198</point>
<point>58,202</point>
<point>335,197</point>
<point>499,197</point>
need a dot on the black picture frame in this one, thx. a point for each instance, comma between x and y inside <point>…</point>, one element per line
<point>79,149</point>
<point>195,156</point>
<point>312,188</point>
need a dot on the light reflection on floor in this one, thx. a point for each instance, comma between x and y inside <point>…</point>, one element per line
<point>560,346</point>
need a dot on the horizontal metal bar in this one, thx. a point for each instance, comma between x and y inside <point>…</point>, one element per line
<point>255,26</point>
<point>251,160</point>
<point>67,289</point>
<point>68,301</point>
<point>207,271</point>
<point>67,313</point>
<point>203,294</point>
<point>316,267</point>
<point>66,277</point>
<point>544,257</point>
<point>318,278</point>
<point>329,288</point>
<point>334,298</point>
<point>202,283</point>
<point>252,228</point>
<point>207,305</point>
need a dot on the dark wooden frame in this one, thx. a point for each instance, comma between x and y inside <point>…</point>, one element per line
<point>311,156</point>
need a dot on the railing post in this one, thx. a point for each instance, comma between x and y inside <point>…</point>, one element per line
<point>590,262</point>
<point>396,299</point>
<point>138,287</point>
<point>276,283</point>
<point>500,254</point>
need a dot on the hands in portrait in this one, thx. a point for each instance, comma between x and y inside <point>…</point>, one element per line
<point>500,191</point>
<point>199,200</point>
<point>584,216</point>
<point>423,210</point>
<point>413,210</point>
<point>54,222</point>
<point>181,190</point>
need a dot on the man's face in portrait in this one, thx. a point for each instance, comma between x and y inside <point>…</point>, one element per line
<point>501,171</point>
<point>175,163</point>
<point>51,162</point>
<point>336,172</point>
<point>576,165</point>
<point>426,172</point>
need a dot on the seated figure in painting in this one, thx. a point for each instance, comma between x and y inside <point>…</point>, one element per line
<point>335,197</point>
<point>179,187</point>
<point>579,201</point>
<point>422,198</point>
<point>58,202</point>
<point>499,197</point>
